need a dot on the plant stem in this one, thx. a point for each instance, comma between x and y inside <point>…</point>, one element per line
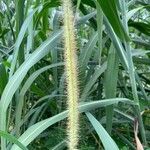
<point>131,70</point>
<point>19,21</point>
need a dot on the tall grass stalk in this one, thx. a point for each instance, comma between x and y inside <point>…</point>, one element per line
<point>19,21</point>
<point>99,30</point>
<point>131,70</point>
<point>71,75</point>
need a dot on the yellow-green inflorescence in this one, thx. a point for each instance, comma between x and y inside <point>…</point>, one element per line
<point>71,75</point>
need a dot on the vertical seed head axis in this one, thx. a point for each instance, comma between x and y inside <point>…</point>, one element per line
<point>71,75</point>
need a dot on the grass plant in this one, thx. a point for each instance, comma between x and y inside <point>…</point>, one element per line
<point>47,48</point>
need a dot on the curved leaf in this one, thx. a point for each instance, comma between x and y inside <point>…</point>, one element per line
<point>31,133</point>
<point>19,75</point>
<point>112,15</point>
<point>12,139</point>
<point>107,141</point>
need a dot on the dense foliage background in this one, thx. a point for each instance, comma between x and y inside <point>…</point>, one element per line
<point>113,46</point>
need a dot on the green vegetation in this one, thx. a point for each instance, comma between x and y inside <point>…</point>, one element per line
<point>52,69</point>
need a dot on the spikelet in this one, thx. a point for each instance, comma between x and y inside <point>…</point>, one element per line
<point>71,75</point>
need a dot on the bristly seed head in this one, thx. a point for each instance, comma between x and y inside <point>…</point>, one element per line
<point>71,75</point>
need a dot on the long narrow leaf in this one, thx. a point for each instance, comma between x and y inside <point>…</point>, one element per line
<point>31,133</point>
<point>107,141</point>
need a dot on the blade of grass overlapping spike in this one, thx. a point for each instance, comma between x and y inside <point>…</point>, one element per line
<point>19,75</point>
<point>31,133</point>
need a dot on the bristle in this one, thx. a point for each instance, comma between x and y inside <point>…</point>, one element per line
<point>71,75</point>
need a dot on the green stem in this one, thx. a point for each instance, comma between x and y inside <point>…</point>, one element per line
<point>100,30</point>
<point>131,70</point>
<point>19,21</point>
